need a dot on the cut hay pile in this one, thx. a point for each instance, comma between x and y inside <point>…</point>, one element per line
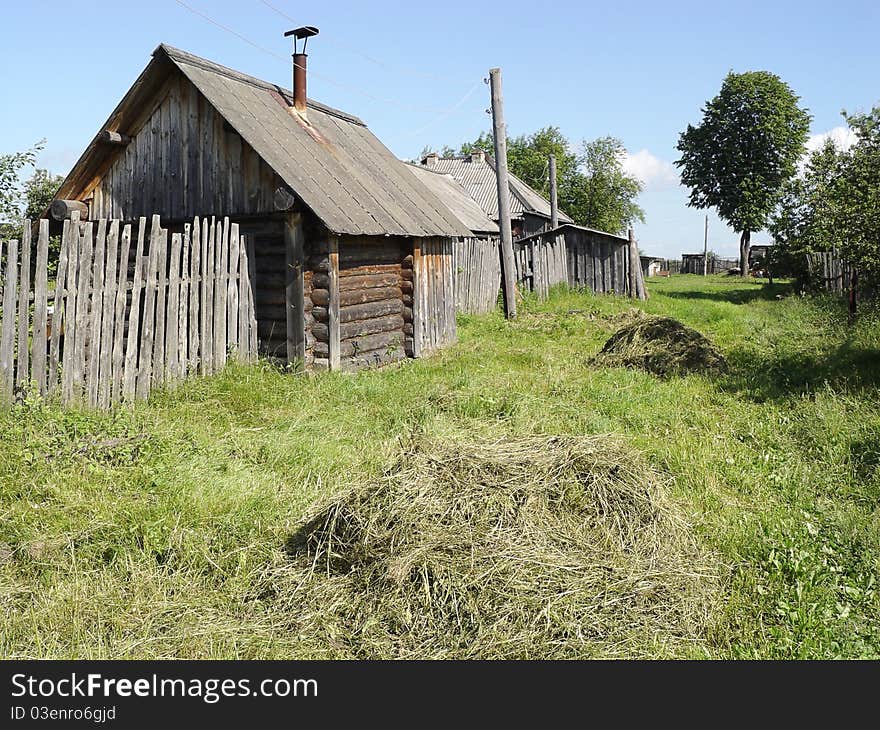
<point>527,548</point>
<point>663,346</point>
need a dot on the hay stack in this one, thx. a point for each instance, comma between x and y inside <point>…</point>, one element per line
<point>527,548</point>
<point>663,346</point>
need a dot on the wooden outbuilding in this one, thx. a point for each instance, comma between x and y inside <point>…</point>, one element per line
<point>476,259</point>
<point>577,256</point>
<point>353,253</point>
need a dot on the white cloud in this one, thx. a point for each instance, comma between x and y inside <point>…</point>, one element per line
<point>656,174</point>
<point>843,138</point>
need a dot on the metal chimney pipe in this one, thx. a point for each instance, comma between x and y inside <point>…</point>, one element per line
<point>299,81</point>
<point>299,65</point>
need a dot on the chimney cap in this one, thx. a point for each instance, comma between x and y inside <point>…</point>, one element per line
<point>307,31</point>
<point>478,155</point>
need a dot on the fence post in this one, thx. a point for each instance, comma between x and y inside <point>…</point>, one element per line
<point>7,329</point>
<point>38,342</point>
<point>24,290</point>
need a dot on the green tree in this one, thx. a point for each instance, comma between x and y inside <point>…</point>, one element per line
<point>39,190</point>
<point>11,194</point>
<point>746,147</point>
<point>802,221</point>
<point>855,198</point>
<point>604,196</point>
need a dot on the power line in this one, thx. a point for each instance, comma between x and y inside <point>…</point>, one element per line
<point>382,64</point>
<point>328,79</point>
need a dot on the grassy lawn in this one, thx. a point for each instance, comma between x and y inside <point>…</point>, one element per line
<point>160,532</point>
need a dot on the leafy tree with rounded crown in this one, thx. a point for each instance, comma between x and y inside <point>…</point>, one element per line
<point>746,147</point>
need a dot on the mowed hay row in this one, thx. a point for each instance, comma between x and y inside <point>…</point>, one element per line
<point>541,547</point>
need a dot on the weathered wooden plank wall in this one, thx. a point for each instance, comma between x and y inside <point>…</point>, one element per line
<point>118,330</point>
<point>433,313</point>
<point>573,256</point>
<point>476,267</point>
<point>183,160</point>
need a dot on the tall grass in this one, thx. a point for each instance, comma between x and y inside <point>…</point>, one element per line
<point>156,532</point>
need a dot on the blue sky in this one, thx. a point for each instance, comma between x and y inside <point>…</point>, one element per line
<point>413,71</point>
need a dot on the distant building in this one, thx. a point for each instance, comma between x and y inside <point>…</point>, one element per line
<point>529,210</point>
<point>652,265</point>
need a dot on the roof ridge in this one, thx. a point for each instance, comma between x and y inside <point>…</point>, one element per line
<point>180,56</point>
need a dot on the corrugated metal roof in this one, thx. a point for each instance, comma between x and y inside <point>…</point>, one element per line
<point>339,169</point>
<point>478,178</point>
<point>454,197</point>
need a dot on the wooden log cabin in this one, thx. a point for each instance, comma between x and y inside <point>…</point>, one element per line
<point>353,254</point>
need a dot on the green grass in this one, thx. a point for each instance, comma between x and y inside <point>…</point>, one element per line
<point>160,532</point>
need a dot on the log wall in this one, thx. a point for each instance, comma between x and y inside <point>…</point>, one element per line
<point>371,301</point>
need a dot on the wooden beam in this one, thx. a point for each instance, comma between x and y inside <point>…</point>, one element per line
<point>61,210</point>
<point>293,288</point>
<point>117,138</point>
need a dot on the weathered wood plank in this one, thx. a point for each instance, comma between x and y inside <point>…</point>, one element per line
<point>293,287</point>
<point>96,312</point>
<point>7,327</point>
<point>208,263</point>
<point>132,354</point>
<point>80,323</point>
<point>117,349</point>
<point>24,290</point>
<point>158,241</point>
<point>195,294</point>
<point>252,310</point>
<point>244,339</point>
<point>183,308</point>
<point>220,264</point>
<point>172,319</point>
<point>159,358</point>
<point>105,349</point>
<point>39,348</point>
<point>333,307</point>
<point>232,307</point>
<point>70,290</point>
<point>70,232</point>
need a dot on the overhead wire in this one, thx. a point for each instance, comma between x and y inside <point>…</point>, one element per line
<point>393,102</point>
<point>351,49</point>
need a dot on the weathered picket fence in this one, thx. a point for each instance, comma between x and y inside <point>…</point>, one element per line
<point>127,313</point>
<point>830,271</point>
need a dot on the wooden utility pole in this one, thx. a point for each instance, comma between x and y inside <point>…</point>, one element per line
<point>500,132</point>
<point>706,247</point>
<point>554,205</point>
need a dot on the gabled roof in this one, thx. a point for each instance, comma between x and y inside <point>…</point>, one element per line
<point>332,161</point>
<point>454,197</point>
<point>478,178</point>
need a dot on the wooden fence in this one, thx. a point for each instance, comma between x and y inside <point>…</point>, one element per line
<point>128,312</point>
<point>830,271</point>
<point>541,262</point>
<point>476,267</point>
